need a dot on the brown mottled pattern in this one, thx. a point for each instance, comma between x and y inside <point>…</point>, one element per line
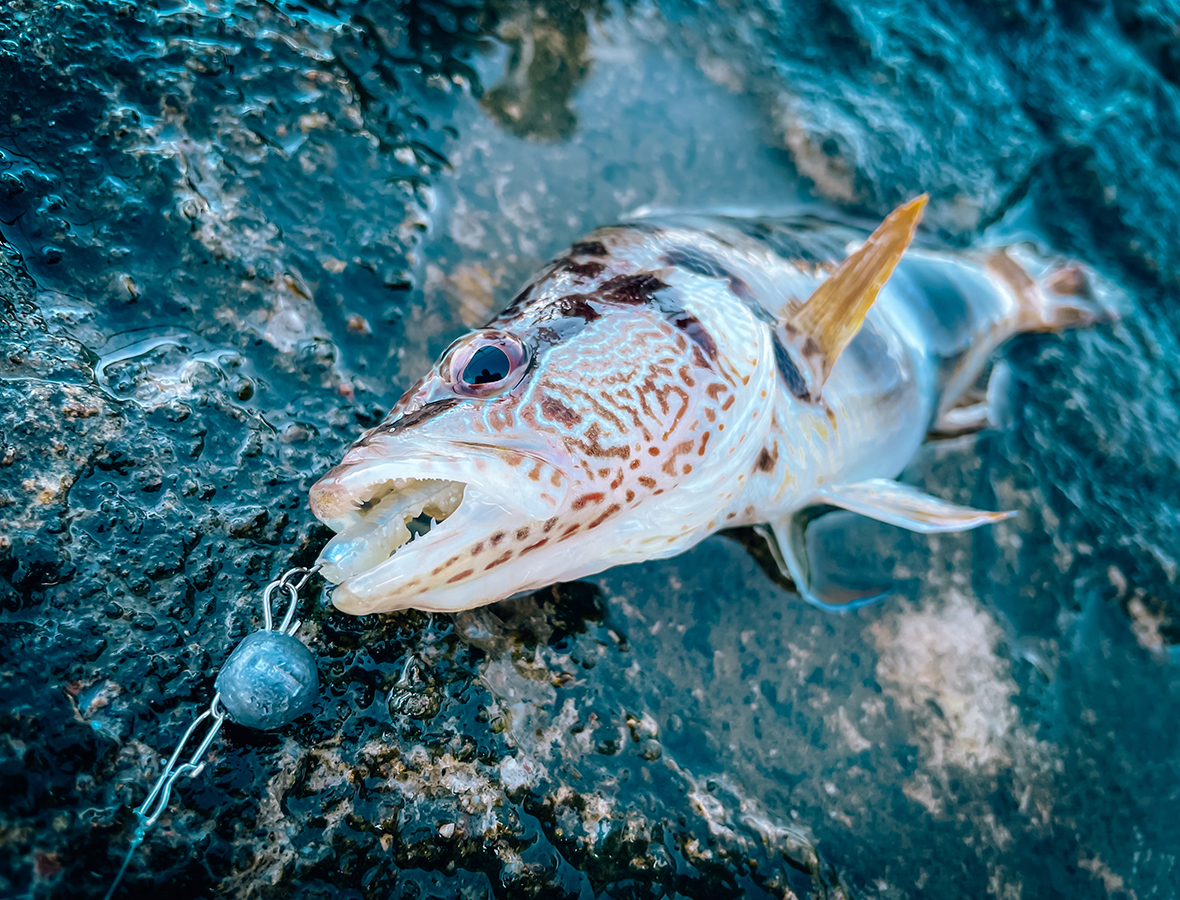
<point>692,326</point>
<point>500,560</point>
<point>622,378</point>
<point>669,466</point>
<point>610,511</point>
<point>653,356</point>
<point>588,248</point>
<point>631,289</point>
<point>767,459</point>
<point>575,306</point>
<point>581,270</point>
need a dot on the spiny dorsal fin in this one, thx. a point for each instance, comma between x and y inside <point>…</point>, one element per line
<point>823,326</point>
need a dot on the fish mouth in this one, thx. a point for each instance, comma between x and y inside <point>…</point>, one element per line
<point>413,528</point>
<point>381,524</point>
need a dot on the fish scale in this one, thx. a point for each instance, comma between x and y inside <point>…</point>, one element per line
<point>672,376</point>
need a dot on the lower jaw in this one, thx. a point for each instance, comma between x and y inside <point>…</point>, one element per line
<point>412,586</point>
<point>426,597</point>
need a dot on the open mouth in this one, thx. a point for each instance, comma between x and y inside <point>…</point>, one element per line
<point>395,513</point>
<point>427,523</point>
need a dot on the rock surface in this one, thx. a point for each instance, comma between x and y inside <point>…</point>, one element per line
<point>231,233</point>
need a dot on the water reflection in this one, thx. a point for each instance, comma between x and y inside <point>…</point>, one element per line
<point>548,59</point>
<point>139,365</point>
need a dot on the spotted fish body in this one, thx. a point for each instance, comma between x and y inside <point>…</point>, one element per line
<point>670,377</point>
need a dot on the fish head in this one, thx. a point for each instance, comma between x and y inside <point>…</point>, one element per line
<point>539,447</point>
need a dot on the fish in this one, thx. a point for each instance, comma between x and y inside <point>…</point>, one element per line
<point>679,374</point>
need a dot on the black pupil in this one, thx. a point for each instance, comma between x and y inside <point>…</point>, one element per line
<point>488,365</point>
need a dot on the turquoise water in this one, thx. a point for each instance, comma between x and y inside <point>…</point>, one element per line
<point>235,232</point>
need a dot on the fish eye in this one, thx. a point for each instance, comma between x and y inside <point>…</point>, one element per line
<point>487,363</point>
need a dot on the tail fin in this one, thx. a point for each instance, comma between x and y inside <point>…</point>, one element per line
<point>1054,293</point>
<point>1051,293</point>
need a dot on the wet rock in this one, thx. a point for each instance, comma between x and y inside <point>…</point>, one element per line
<point>547,62</point>
<point>865,122</point>
<point>234,233</point>
<point>54,422</point>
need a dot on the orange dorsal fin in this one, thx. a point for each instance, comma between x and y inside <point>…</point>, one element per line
<point>823,326</point>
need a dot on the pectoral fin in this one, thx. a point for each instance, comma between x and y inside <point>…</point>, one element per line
<point>908,507</point>
<point>820,329</point>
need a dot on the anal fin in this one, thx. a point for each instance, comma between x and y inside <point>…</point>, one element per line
<point>907,507</point>
<point>878,498</point>
<point>787,540</point>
